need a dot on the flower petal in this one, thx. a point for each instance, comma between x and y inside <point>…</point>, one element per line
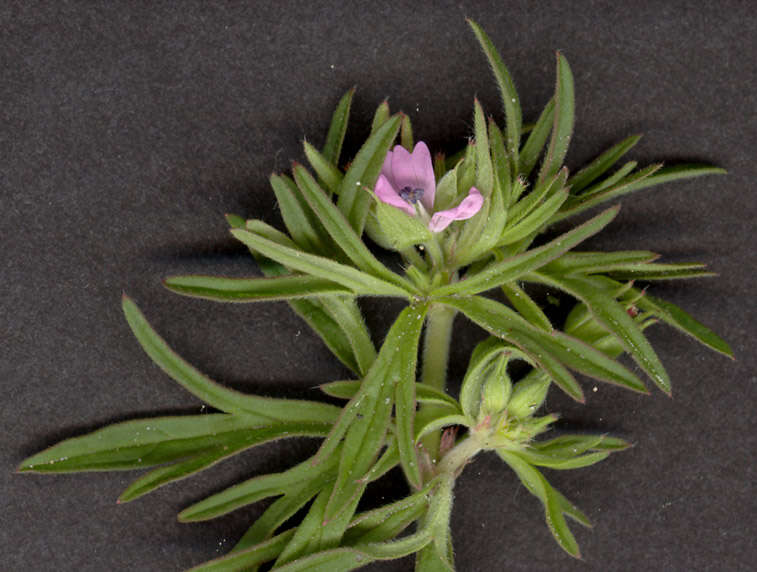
<point>424,170</point>
<point>387,194</point>
<point>468,207</point>
<point>386,169</point>
<point>415,171</point>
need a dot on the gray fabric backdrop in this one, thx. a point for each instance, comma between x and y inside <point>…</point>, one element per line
<point>129,128</point>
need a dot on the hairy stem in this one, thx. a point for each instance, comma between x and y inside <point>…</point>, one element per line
<point>435,357</point>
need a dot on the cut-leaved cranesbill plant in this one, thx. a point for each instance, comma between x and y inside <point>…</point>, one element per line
<point>463,226</point>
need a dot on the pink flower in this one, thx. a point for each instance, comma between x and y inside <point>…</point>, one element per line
<point>407,182</point>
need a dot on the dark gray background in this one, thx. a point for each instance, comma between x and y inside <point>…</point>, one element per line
<point>129,128</point>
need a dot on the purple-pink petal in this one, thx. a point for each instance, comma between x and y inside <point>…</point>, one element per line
<point>386,169</point>
<point>387,194</point>
<point>468,207</point>
<point>414,170</point>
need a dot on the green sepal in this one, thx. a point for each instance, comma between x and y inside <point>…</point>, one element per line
<point>398,228</point>
<point>446,191</point>
<point>529,394</point>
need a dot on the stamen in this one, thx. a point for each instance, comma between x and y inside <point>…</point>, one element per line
<point>410,195</point>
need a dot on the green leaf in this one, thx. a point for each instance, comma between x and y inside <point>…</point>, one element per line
<point>614,317</point>
<point>256,489</point>
<point>596,262</point>
<point>507,91</point>
<point>543,189</point>
<point>354,199</point>
<point>502,173</point>
<point>676,317</point>
<point>562,463</point>
<point>295,216</point>
<point>389,520</point>
<point>223,289</point>
<point>280,511</point>
<point>580,203</point>
<point>335,137</point>
<point>503,323</point>
<point>312,311</point>
<point>571,445</point>
<point>526,306</point>
<point>250,558</point>
<point>365,419</point>
<point>601,164</point>
<point>345,312</point>
<point>147,442</point>
<point>209,391</point>
<point>207,457</point>
<point>484,168</point>
<point>511,269</point>
<point>357,281</point>
<point>339,229</point>
<point>329,330</point>
<point>658,271</point>
<point>562,127</point>
<point>529,154</point>
<point>536,220</point>
<point>381,116</point>
<point>555,505</point>
<point>423,393</point>
<point>329,176</point>
<point>235,221</point>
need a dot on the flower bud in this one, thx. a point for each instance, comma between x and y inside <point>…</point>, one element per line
<point>497,387</point>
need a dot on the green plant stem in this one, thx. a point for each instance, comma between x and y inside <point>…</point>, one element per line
<point>435,357</point>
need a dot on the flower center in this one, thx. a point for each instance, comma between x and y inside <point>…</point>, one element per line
<point>411,195</point>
